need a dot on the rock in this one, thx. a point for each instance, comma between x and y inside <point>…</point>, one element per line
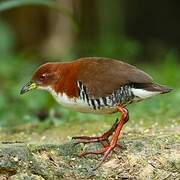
<point>25,176</point>
<point>142,156</point>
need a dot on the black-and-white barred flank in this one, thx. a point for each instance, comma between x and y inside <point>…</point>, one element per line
<point>82,92</point>
<point>122,96</point>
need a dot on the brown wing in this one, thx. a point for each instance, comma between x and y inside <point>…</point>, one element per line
<point>102,76</point>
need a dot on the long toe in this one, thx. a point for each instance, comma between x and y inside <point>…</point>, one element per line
<point>100,151</point>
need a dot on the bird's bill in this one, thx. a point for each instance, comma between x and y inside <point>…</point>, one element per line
<point>28,87</point>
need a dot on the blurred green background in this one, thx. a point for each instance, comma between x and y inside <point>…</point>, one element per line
<point>32,32</point>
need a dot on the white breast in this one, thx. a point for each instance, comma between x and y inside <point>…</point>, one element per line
<point>77,104</point>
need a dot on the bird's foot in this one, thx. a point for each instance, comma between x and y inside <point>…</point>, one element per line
<point>102,139</point>
<point>110,145</point>
<point>105,150</point>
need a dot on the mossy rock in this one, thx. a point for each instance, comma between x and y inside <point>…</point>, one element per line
<point>143,155</point>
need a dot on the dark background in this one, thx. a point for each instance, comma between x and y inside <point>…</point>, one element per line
<point>143,33</point>
<point>134,29</point>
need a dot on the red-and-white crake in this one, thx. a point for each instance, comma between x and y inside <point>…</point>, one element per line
<point>96,85</point>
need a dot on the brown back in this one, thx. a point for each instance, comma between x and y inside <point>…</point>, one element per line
<point>102,76</point>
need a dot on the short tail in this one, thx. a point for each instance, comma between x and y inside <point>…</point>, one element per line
<point>143,91</point>
<point>157,88</point>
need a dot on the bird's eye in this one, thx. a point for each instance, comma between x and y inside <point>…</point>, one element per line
<point>43,76</point>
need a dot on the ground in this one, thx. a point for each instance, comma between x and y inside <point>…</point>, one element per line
<point>35,152</point>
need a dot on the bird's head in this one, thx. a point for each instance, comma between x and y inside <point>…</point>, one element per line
<point>43,77</point>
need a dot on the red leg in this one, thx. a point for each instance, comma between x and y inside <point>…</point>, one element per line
<point>113,143</point>
<point>104,137</point>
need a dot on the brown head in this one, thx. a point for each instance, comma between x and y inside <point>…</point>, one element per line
<point>46,75</point>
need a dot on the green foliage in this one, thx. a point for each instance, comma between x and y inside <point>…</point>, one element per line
<point>112,47</point>
<point>16,70</point>
<point>6,39</point>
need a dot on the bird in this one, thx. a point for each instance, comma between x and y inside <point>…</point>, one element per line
<point>96,85</point>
